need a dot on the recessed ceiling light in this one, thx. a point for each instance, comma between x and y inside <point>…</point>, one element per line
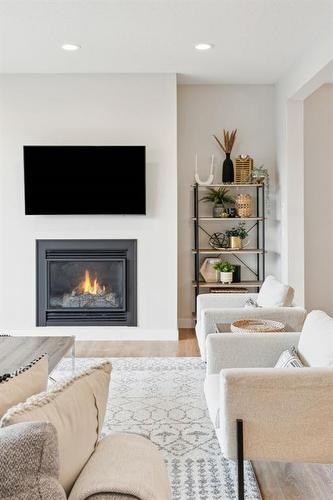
<point>70,46</point>
<point>204,46</point>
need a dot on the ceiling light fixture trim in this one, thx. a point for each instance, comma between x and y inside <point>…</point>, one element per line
<point>204,46</point>
<point>71,47</point>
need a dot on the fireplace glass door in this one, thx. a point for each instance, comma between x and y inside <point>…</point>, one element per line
<point>84,284</point>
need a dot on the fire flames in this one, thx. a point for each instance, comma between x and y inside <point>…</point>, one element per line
<point>91,286</point>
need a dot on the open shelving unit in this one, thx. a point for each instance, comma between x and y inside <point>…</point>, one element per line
<point>255,223</point>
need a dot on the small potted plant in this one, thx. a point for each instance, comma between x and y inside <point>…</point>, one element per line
<point>219,197</point>
<point>237,235</point>
<point>226,271</point>
<point>260,175</point>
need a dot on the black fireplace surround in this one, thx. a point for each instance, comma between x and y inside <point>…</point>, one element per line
<point>86,283</point>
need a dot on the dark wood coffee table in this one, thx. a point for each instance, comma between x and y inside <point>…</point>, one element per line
<point>16,352</point>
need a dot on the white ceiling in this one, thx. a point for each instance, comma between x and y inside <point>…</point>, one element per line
<point>255,41</point>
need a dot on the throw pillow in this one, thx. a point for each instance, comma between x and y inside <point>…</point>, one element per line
<point>16,387</point>
<point>29,462</point>
<point>273,293</point>
<point>289,359</point>
<point>76,408</point>
<point>316,341</point>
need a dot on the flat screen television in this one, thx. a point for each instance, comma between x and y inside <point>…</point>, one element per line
<point>85,180</point>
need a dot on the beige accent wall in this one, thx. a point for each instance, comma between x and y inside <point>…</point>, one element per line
<point>204,110</point>
<point>318,199</point>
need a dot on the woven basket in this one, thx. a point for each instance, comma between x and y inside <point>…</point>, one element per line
<point>244,205</point>
<point>257,326</point>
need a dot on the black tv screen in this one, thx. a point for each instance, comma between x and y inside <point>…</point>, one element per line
<point>85,180</point>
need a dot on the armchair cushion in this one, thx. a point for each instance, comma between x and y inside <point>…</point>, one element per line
<point>273,293</point>
<point>316,340</point>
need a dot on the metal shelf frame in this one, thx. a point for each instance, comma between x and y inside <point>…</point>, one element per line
<point>258,226</point>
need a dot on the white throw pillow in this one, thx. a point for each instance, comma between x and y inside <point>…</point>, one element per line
<point>273,293</point>
<point>316,340</point>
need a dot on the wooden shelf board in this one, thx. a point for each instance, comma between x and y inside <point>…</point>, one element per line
<point>211,251</point>
<point>242,284</point>
<point>228,219</point>
<point>228,185</point>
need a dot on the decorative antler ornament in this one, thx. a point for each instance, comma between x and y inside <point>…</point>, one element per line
<point>211,173</point>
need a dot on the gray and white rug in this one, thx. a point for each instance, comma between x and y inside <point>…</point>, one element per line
<point>162,398</point>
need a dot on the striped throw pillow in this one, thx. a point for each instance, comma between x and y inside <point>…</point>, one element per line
<point>289,359</point>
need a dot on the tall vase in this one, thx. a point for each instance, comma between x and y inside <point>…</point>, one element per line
<point>228,170</point>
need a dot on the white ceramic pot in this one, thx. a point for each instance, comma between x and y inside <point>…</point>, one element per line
<point>226,277</point>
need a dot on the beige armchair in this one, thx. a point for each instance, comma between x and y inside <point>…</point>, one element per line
<point>225,308</point>
<point>272,414</point>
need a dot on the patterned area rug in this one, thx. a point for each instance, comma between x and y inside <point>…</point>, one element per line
<point>162,398</point>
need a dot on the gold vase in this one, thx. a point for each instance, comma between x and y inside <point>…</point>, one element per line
<point>235,242</point>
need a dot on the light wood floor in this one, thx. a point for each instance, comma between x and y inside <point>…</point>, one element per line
<point>277,481</point>
<point>185,346</point>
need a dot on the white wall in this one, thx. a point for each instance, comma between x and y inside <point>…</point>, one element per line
<point>318,182</point>
<point>308,73</point>
<point>204,110</point>
<point>91,109</point>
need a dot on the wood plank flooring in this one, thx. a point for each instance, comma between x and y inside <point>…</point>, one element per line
<point>277,481</point>
<point>185,346</point>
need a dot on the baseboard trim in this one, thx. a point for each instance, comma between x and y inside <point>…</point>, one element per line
<point>186,323</point>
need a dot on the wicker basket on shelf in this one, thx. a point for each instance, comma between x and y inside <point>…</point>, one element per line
<point>244,205</point>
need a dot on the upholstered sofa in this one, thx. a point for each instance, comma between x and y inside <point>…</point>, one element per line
<point>51,447</point>
<point>29,465</point>
<point>225,308</point>
<point>286,413</point>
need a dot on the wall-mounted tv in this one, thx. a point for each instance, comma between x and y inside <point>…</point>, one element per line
<point>85,180</point>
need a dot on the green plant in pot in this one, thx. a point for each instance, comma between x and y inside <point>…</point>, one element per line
<point>226,271</point>
<point>220,198</point>
<point>237,235</point>
<point>260,175</point>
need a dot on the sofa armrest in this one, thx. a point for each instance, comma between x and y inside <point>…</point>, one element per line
<point>287,413</point>
<point>246,350</point>
<point>123,464</point>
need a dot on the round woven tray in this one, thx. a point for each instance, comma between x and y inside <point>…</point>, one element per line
<point>257,326</point>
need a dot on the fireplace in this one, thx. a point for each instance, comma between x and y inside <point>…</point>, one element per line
<point>86,282</point>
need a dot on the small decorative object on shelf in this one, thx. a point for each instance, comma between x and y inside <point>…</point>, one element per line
<point>208,272</point>
<point>218,241</point>
<point>244,205</point>
<point>210,178</point>
<point>237,274</point>
<point>260,175</point>
<point>237,235</point>
<point>219,197</point>
<point>226,271</point>
<point>230,289</point>
<point>231,212</point>
<point>227,145</point>
<point>243,167</point>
